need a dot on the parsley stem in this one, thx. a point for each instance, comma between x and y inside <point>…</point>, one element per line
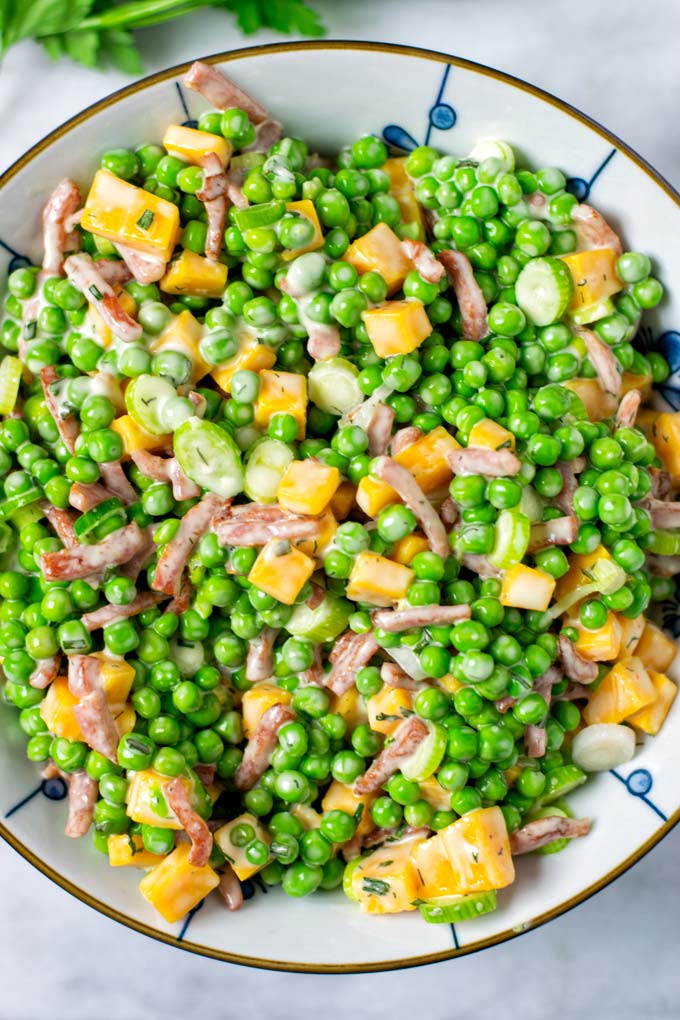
<point>138,13</point>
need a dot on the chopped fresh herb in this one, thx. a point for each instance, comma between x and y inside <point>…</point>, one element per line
<point>146,219</point>
<point>95,292</point>
<point>30,329</point>
<point>376,886</point>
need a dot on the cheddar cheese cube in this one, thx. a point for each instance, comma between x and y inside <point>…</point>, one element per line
<point>339,797</point>
<point>435,794</point>
<point>175,886</point>
<point>637,381</point>
<point>380,251</point>
<point>470,855</point>
<point>406,548</point>
<point>281,570</point>
<point>397,327</point>
<point>258,700</point>
<point>578,574</point>
<point>374,495</point>
<point>236,855</point>
<point>251,355</point>
<point>196,275</point>
<point>351,706</point>
<point>594,275</point>
<point>598,404</point>
<point>122,212</point>
<point>342,500</point>
<point>304,207</point>
<point>656,649</point>
<point>625,689</point>
<point>135,437</point>
<point>601,644</point>
<point>631,632</point>
<point>282,393</point>
<point>388,708</point>
<point>183,334</point>
<point>193,145</point>
<point>95,325</point>
<point>147,803</point>
<point>126,851</point>
<point>651,718</point>
<point>386,882</point>
<point>57,710</point>
<point>527,588</point>
<point>666,439</point>
<point>307,487</point>
<point>490,434</point>
<point>401,188</point>
<point>377,580</point>
<point>319,545</point>
<point>426,459</point>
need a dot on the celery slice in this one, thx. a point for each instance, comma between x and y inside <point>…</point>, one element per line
<point>19,501</point>
<point>348,876</point>
<point>262,215</point>
<point>428,755</point>
<point>591,313</point>
<point>561,781</point>
<point>92,519</point>
<point>544,290</point>
<point>452,909</point>
<point>324,623</point>
<point>333,385</point>
<point>265,466</point>
<point>209,456</point>
<point>10,380</point>
<point>144,399</point>
<point>513,531</point>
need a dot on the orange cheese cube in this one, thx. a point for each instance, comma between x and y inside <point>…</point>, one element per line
<point>651,718</point>
<point>646,419</point>
<point>307,487</point>
<point>636,381</point>
<point>597,403</point>
<point>577,575</point>
<point>594,275</point>
<point>126,851</point>
<point>656,649</point>
<point>527,588</point>
<point>666,439</point>
<point>258,700</point>
<point>318,546</point>
<point>397,327</point>
<point>281,570</point>
<point>339,797</point>
<point>426,459</point>
<point>57,710</point>
<point>175,886</point>
<point>435,795</point>
<point>625,689</point>
<point>147,803</point>
<point>631,632</point>
<point>373,495</point>
<point>490,434</point>
<point>304,207</point>
<point>408,547</point>
<point>183,334</point>
<point>388,708</point>
<point>470,855</point>
<point>380,251</point>
<point>351,706</point>
<point>401,188</point>
<point>282,393</point>
<point>95,325</point>
<point>196,275</point>
<point>342,500</point>
<point>122,212</point>
<point>386,882</point>
<point>251,355</point>
<point>236,855</point>
<point>193,145</point>
<point>377,580</point>
<point>135,437</point>
<point>602,644</point>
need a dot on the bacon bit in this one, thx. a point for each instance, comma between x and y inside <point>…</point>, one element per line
<point>260,747</point>
<point>424,261</point>
<point>116,481</point>
<point>260,659</point>
<point>46,670</point>
<point>236,196</point>
<point>93,715</point>
<point>480,565</point>
<point>83,792</point>
<point>353,847</point>
<point>351,653</point>
<point>407,488</point>
<point>163,469</point>
<point>395,676</point>
<point>84,275</point>
<point>663,566</point>
<point>593,229</point>
<point>317,596</point>
<point>194,826</point>
<point>404,438</point>
<point>206,773</point>
<point>67,425</point>
<point>573,692</point>
<point>662,483</point>
<point>468,294</point>
<point>221,92</point>
<point>448,512</point>
<point>141,559</point>
<point>504,704</point>
<point>266,135</point>
<point>199,402</point>
<point>569,469</point>
<point>575,666</point>
<point>62,521</point>
<point>559,531</point>
<point>62,204</point>
<point>143,267</point>
<point>407,738</point>
<point>379,429</point>
<point>114,271</point>
<point>323,340</point>
<point>182,599</point>
<point>230,888</point>
<point>628,409</point>
<point>193,526</point>
<point>603,361</point>
<point>112,614</point>
<point>84,675</point>
<point>544,830</point>
<point>662,514</point>
<point>315,674</point>
<point>258,524</point>
<point>213,193</point>
<point>396,620</point>
<point>84,496</point>
<point>73,564</point>
<point>535,740</point>
<point>479,460</point>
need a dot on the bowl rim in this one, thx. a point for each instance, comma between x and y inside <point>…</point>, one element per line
<point>476,67</point>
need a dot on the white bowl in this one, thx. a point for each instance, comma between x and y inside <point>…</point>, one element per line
<point>330,93</point>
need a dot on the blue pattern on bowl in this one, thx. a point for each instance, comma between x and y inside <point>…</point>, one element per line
<point>441,116</point>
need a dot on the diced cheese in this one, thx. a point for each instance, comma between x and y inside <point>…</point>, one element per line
<point>470,855</point>
<point>624,690</point>
<point>631,632</point>
<point>435,795</point>
<point>183,334</point>
<point>388,708</point>
<point>637,381</point>
<point>351,706</point>
<point>401,188</point>
<point>378,580</point>
<point>282,393</point>
<point>193,145</point>
<point>490,434</point>
<point>135,437</point>
<point>307,487</point>
<point>281,570</point>
<point>175,886</point>
<point>147,803</point>
<point>196,275</point>
<point>236,855</point>
<point>601,644</point>
<point>598,404</point>
<point>386,881</point>
<point>304,207</point>
<point>406,548</point>
<point>397,327</point>
<point>426,459</point>
<point>121,212</point>
<point>126,851</point>
<point>251,355</point>
<point>57,710</point>
<point>95,326</point>
<point>319,545</point>
<point>527,588</point>
<point>656,649</point>
<point>579,566</point>
<point>339,797</point>
<point>342,500</point>
<point>258,700</point>
<point>666,439</point>
<point>594,275</point>
<point>380,251</point>
<point>374,495</point>
<point>651,718</point>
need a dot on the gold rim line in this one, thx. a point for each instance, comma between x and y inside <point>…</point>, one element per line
<point>565,108</point>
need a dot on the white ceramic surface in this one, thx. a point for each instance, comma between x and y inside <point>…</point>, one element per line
<point>365,90</point>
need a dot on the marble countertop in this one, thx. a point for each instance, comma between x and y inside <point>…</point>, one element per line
<point>616,955</point>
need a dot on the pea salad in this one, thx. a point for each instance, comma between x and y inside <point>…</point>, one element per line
<point>333,509</point>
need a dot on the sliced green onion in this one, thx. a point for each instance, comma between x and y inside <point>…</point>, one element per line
<point>91,519</point>
<point>324,623</point>
<point>427,757</point>
<point>333,385</point>
<point>10,380</point>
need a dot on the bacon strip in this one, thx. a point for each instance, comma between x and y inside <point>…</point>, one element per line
<point>422,258</point>
<point>93,715</point>
<point>46,670</point>
<point>448,512</point>
<point>182,599</point>
<point>405,437</point>
<point>82,797</point>
<point>480,565</point>
<point>112,614</point>
<point>395,676</point>
<point>141,559</point>
<point>206,773</point>
<point>230,888</point>
<point>115,272</point>
<point>379,429</point>
<point>66,424</point>
<point>266,134</point>
<point>535,740</point>
<point>84,275</point>
<point>593,229</point>
<point>83,496</point>
<point>663,566</point>
<point>317,596</point>
<point>603,361</point>
<point>323,340</point>
<point>407,738</point>
<point>315,674</point>
<point>662,483</point>
<point>559,531</point>
<point>143,267</point>
<point>260,747</point>
<point>260,659</point>
<point>213,193</point>
<point>479,460</point>
<point>260,524</point>
<point>163,469</point>
<point>396,620</point>
<point>193,526</point>
<point>628,409</point>
<point>116,481</point>
<point>72,564</point>
<point>569,469</point>
<point>407,488</point>
<point>62,521</point>
<point>544,830</point>
<point>60,206</point>
<point>468,294</point>
<point>221,92</point>
<point>575,666</point>
<point>194,826</point>
<point>662,513</point>
<point>351,653</point>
